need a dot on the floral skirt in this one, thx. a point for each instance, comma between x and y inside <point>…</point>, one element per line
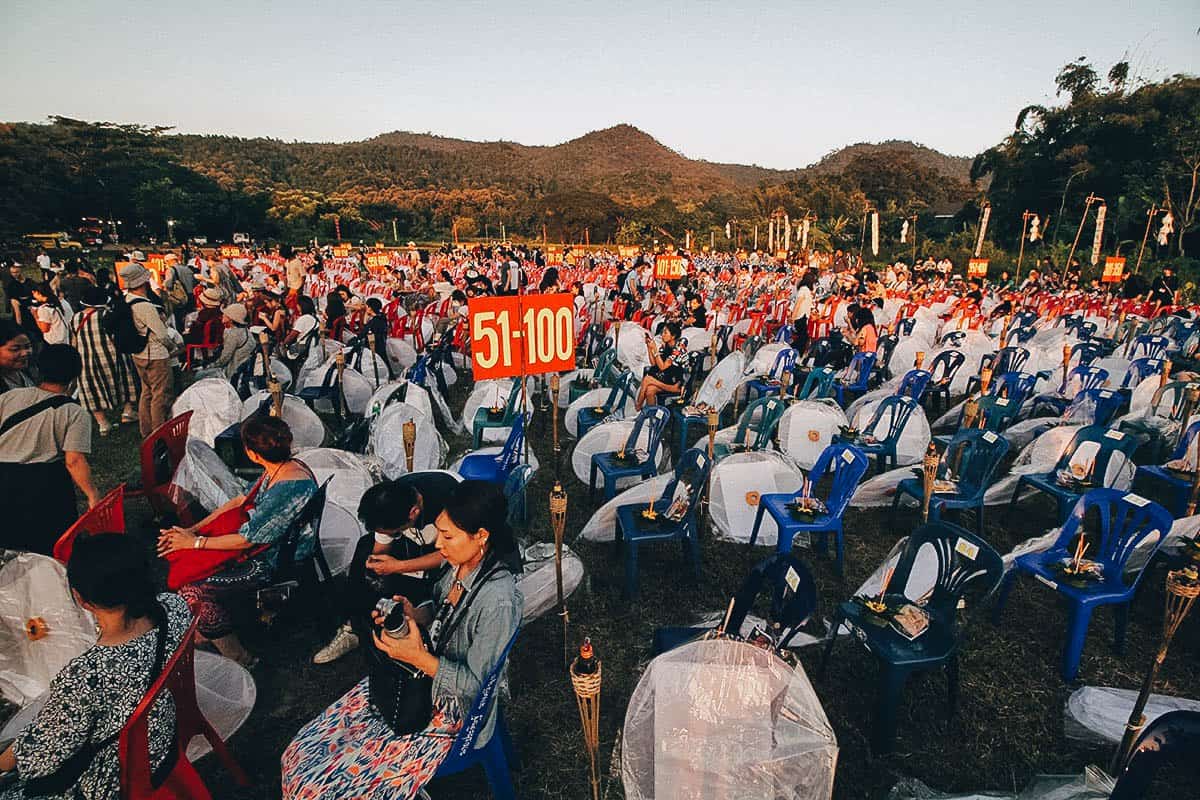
<point>349,753</point>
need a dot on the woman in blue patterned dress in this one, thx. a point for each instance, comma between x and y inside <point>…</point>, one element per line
<point>349,752</point>
<point>95,694</point>
<point>286,485</point>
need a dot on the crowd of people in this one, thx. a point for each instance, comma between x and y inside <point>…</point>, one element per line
<point>85,350</point>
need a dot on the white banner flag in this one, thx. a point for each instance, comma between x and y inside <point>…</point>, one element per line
<point>1035,228</point>
<point>728,230</point>
<point>804,234</point>
<point>983,223</point>
<point>787,232</point>
<point>874,233</point>
<point>904,232</point>
<point>1101,212</point>
<point>1166,229</point>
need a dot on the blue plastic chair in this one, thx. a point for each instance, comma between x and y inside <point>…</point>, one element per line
<point>1004,360</point>
<point>965,563</point>
<point>330,388</point>
<point>818,384</point>
<point>858,377</point>
<point>942,369</point>
<point>885,432</point>
<point>624,389</point>
<point>785,361</point>
<point>484,419</point>
<point>1126,520</point>
<point>602,373</point>
<point>1022,334</point>
<point>1087,377</point>
<point>883,357</point>
<point>652,419</point>
<point>1139,370</point>
<point>847,464</point>
<point>495,467</point>
<point>905,326</point>
<point>1179,484</point>
<point>1084,353</point>
<point>768,410</point>
<point>633,529</point>
<point>1109,442</point>
<point>793,598</point>
<point>514,493</point>
<point>973,455</point>
<point>913,384</point>
<point>1150,346</point>
<point>493,755</point>
<point>1025,318</point>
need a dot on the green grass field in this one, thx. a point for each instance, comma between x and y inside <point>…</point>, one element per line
<point>1008,728</point>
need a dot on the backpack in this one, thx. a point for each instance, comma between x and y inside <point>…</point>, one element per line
<point>177,293</point>
<point>118,323</point>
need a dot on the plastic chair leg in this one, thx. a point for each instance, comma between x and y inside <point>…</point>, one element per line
<point>952,684</point>
<point>831,641</point>
<point>1120,623</point>
<point>1006,584</point>
<point>692,547</point>
<point>891,692</point>
<point>757,524</point>
<point>495,766</point>
<point>631,568</point>
<point>592,483</point>
<point>476,438</point>
<point>1077,625</point>
<point>839,546</point>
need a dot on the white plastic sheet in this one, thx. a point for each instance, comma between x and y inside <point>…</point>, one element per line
<point>349,476</point>
<point>1092,785</point>
<point>602,525</point>
<point>609,437</point>
<point>387,440</point>
<point>415,395</point>
<point>914,436</point>
<point>215,406</point>
<point>722,718</point>
<point>807,428</point>
<point>539,582</point>
<point>1099,713</point>
<point>594,398</point>
<point>737,484</point>
<point>719,385</point>
<point>307,428</point>
<point>202,476</point>
<point>489,394</point>
<point>631,348</point>
<point>356,388</point>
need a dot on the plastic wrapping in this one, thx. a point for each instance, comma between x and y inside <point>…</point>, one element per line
<point>487,394</point>
<point>202,476</point>
<point>32,586</point>
<point>914,437</point>
<point>631,348</point>
<point>401,354</point>
<point>539,582</point>
<point>1099,713</point>
<point>387,440</point>
<point>225,692</point>
<point>719,385</point>
<point>356,388</point>
<point>307,428</point>
<point>807,428</point>
<point>722,718</point>
<point>349,476</point>
<point>415,395</point>
<point>602,525</point>
<point>1043,453</point>
<point>215,405</point>
<point>737,483</point>
<point>609,437</point>
<point>1089,786</point>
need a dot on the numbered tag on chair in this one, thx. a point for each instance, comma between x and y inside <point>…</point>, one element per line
<point>967,549</point>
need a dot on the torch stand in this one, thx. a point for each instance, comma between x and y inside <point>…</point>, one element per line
<point>587,696</point>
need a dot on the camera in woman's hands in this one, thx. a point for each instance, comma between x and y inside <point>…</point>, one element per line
<point>394,623</point>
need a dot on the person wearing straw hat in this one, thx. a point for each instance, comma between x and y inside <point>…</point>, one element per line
<point>210,311</point>
<point>153,361</point>
<point>107,383</point>
<point>237,345</point>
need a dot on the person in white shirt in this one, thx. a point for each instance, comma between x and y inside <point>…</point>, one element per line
<point>802,309</point>
<point>52,314</point>
<point>43,261</point>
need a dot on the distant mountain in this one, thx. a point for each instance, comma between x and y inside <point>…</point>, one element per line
<point>622,162</point>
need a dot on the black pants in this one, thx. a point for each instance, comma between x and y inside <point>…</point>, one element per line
<point>38,503</point>
<point>800,334</point>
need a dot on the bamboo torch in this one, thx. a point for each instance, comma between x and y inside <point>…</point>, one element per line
<point>1183,586</point>
<point>587,697</point>
<point>1165,375</point>
<point>785,382</point>
<point>264,346</point>
<point>713,421</point>
<point>1191,507</point>
<point>555,387</point>
<point>1066,364</point>
<point>409,433</point>
<point>340,361</point>
<point>558,522</point>
<point>929,467</point>
<point>919,359</point>
<point>1191,398</point>
<point>985,380</point>
<point>275,389</point>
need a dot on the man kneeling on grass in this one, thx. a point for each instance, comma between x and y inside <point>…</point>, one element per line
<point>396,557</point>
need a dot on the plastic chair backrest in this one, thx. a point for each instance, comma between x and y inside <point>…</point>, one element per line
<point>1109,441</point>
<point>1172,737</point>
<point>790,607</point>
<point>954,338</point>
<point>162,451</point>
<point>974,455</point>
<point>107,516</point>
<point>513,399</point>
<point>1086,351</point>
<point>897,410</point>
<point>1126,520</point>
<point>818,384</point>
<point>1016,386</point>
<point>1186,442</point>
<point>906,325</point>
<point>913,383</point>
<point>1025,318</point>
<point>133,744</point>
<point>1104,403</point>
<point>963,560</point>
<point>1139,370</point>
<point>603,373</point>
<point>514,492</point>
<point>656,417</point>
<point>945,365</point>
<point>1023,334</point>
<point>476,720</point>
<point>419,371</point>
<point>308,515</point>
<point>848,465</point>
<point>785,360</point>
<point>616,395</point>
<point>1010,359</point>
<point>514,445</point>
<point>692,469</point>
<point>1177,391</point>
<point>859,371</point>
<point>1150,346</point>
<point>769,410</point>
<point>1088,377</point>
<point>885,347</point>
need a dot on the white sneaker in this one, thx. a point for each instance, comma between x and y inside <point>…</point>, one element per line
<point>345,641</point>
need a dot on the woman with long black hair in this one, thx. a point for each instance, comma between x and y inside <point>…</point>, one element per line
<point>349,750</point>
<point>70,748</point>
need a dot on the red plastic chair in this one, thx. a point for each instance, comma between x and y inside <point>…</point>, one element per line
<point>209,347</point>
<point>133,746</point>
<point>108,516</point>
<point>160,455</point>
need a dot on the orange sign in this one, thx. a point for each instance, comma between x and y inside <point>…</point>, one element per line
<point>781,255</point>
<point>230,251</point>
<point>341,250</point>
<point>378,261</point>
<point>977,268</point>
<point>628,250</point>
<point>522,334</point>
<point>668,268</point>
<point>554,257</point>
<point>1114,269</point>
<point>156,263</point>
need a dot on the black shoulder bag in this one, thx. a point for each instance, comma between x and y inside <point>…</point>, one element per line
<point>65,779</point>
<point>403,695</point>
<point>31,411</point>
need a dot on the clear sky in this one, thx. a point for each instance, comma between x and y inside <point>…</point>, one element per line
<point>773,83</point>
